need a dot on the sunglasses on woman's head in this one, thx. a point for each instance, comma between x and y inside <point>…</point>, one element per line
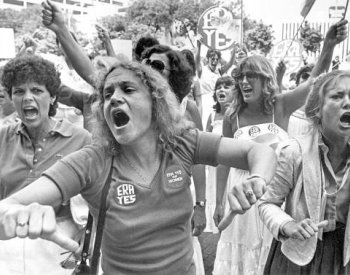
<point>156,65</point>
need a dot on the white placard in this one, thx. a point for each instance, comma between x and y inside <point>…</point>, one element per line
<point>122,47</point>
<point>7,43</point>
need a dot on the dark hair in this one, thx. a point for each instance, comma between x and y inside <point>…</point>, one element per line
<point>190,59</point>
<point>305,69</point>
<point>26,68</point>
<point>144,43</point>
<point>180,77</point>
<point>211,52</point>
<point>226,80</point>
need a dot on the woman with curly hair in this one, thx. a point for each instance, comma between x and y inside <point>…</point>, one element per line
<point>312,179</point>
<point>259,114</point>
<point>149,148</point>
<point>29,147</point>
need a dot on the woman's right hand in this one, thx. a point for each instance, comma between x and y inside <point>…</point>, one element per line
<point>302,230</point>
<point>33,221</point>
<point>52,16</point>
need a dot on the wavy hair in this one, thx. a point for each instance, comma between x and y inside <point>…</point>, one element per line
<point>32,68</point>
<point>315,99</point>
<point>166,116</point>
<point>180,77</point>
<point>260,65</point>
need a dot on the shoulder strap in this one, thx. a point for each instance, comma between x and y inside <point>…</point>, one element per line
<point>101,220</point>
<point>98,238</point>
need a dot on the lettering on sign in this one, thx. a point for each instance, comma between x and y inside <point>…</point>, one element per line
<point>219,29</point>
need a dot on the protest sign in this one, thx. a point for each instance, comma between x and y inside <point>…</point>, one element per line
<point>293,57</point>
<point>7,43</point>
<point>122,47</point>
<point>219,29</point>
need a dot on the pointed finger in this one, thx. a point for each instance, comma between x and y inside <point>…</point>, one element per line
<point>322,224</point>
<point>62,240</point>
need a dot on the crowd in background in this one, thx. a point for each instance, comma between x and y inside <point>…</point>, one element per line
<point>269,164</point>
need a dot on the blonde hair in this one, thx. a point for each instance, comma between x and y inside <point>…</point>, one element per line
<point>315,99</point>
<point>260,65</point>
<point>166,116</point>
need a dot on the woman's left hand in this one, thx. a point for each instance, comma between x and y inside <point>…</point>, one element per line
<point>199,220</point>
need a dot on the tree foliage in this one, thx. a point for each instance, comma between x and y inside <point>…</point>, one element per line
<point>259,37</point>
<point>310,38</point>
<point>23,21</point>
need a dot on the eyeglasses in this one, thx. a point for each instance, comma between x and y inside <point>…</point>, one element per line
<point>156,65</point>
<point>248,75</point>
<point>305,75</point>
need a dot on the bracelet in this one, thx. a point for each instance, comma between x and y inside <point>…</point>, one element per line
<point>252,176</point>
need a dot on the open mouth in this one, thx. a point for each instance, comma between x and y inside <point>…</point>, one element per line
<point>120,118</point>
<point>345,119</point>
<point>222,96</point>
<point>30,112</point>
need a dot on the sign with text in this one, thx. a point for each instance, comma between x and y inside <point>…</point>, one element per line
<point>219,29</point>
<point>293,57</point>
<point>7,43</point>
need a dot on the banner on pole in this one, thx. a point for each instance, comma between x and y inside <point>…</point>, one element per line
<point>7,43</point>
<point>219,29</point>
<point>307,7</point>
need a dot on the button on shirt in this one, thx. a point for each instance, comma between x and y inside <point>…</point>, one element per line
<point>22,162</point>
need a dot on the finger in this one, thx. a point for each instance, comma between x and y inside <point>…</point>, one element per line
<point>62,240</point>
<point>304,233</point>
<point>47,19</point>
<point>22,224</point>
<point>258,186</point>
<point>238,201</point>
<point>308,229</point>
<point>322,224</point>
<point>226,221</point>
<point>49,220</point>
<point>45,5</point>
<point>298,236</point>
<point>10,224</point>
<point>47,12</point>
<point>35,221</point>
<point>250,196</point>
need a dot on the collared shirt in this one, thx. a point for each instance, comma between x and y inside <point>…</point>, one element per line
<point>22,162</point>
<point>337,203</point>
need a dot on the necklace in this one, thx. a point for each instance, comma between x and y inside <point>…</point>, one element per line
<point>146,180</point>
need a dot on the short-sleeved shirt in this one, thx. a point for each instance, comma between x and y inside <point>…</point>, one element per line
<point>147,228</point>
<point>23,162</point>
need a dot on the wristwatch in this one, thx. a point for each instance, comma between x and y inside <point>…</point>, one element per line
<point>200,203</point>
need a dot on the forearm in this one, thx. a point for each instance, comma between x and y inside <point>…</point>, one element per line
<point>109,48</point>
<point>71,97</point>
<point>222,172</point>
<point>323,63</point>
<point>262,161</point>
<point>199,181</point>
<point>80,61</point>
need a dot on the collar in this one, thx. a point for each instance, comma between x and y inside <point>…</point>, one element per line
<point>324,148</point>
<point>62,127</point>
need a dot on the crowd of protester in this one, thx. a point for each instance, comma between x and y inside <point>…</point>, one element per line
<point>161,148</point>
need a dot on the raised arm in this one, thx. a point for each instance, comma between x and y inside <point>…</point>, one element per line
<point>294,100</point>
<point>232,60</point>
<point>198,59</point>
<point>53,19</point>
<point>103,35</point>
